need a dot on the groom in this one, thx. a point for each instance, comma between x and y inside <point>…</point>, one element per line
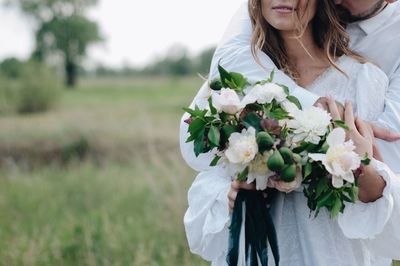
<point>374,31</point>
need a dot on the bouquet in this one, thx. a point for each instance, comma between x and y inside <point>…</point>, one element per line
<point>261,134</point>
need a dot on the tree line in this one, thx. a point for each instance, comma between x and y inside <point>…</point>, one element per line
<point>176,62</point>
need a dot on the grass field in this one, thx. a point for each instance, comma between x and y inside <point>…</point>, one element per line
<point>99,180</point>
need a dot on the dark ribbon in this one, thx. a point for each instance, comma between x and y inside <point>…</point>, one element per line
<point>259,228</point>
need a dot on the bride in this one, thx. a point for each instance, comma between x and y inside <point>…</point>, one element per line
<point>305,40</point>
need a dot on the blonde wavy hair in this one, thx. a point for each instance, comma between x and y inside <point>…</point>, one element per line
<point>328,31</point>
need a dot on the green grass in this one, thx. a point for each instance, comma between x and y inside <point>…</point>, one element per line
<point>120,204</point>
<point>123,203</point>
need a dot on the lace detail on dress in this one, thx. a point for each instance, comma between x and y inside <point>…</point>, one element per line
<point>363,86</point>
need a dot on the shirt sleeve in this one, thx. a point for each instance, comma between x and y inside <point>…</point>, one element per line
<point>390,118</point>
<point>234,53</point>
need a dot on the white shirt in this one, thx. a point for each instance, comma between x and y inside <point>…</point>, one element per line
<point>207,217</point>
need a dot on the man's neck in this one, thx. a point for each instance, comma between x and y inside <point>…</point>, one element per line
<point>370,12</point>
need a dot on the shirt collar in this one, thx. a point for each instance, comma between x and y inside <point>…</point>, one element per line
<point>372,24</point>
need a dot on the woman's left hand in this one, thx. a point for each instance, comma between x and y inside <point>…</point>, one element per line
<point>371,184</point>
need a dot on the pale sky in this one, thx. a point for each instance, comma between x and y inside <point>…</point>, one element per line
<point>135,31</point>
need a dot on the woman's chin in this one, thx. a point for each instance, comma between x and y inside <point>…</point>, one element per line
<point>284,25</point>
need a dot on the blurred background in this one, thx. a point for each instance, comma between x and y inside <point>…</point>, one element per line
<point>91,93</point>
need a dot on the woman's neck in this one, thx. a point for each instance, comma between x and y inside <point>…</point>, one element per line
<point>303,50</point>
<point>308,60</point>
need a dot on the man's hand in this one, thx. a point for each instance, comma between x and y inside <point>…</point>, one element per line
<point>384,133</point>
<point>379,132</point>
<point>235,186</point>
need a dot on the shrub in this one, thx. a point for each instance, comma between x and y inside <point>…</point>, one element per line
<point>35,89</point>
<point>8,93</point>
<point>38,88</point>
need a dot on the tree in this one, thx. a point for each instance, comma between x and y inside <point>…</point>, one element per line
<point>11,68</point>
<point>203,60</point>
<point>62,28</point>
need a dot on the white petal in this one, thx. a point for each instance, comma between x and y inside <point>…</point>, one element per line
<point>251,177</point>
<point>337,181</point>
<point>261,182</point>
<point>337,169</point>
<point>349,177</point>
<point>336,137</point>
<point>317,157</point>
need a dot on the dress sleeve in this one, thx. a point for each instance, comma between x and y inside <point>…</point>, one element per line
<point>234,53</point>
<point>377,223</point>
<point>207,218</point>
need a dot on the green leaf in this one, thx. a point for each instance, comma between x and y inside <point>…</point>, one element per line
<point>307,170</point>
<point>366,160</point>
<point>227,130</point>
<point>354,193</point>
<point>215,160</point>
<point>225,76</point>
<point>239,80</point>
<point>294,100</point>
<point>324,148</point>
<point>252,120</point>
<point>285,88</point>
<point>199,144</point>
<point>346,198</point>
<point>279,114</point>
<point>216,84</point>
<point>243,175</point>
<point>341,124</point>
<point>321,186</point>
<point>212,108</point>
<point>214,136</point>
<point>271,75</point>
<point>337,207</point>
<point>325,199</point>
<point>196,126</point>
<point>191,138</point>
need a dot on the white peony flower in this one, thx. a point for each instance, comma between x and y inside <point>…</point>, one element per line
<point>227,101</point>
<point>340,160</point>
<point>242,147</point>
<point>309,124</point>
<point>289,107</point>
<point>264,94</point>
<point>259,171</point>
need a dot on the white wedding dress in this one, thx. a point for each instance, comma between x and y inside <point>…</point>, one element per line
<point>362,236</point>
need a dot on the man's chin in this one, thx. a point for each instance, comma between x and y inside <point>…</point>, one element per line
<point>374,10</point>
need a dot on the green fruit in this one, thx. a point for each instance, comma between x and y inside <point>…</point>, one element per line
<point>264,141</point>
<point>296,158</point>
<point>288,173</point>
<point>275,162</point>
<point>287,155</point>
<point>216,85</point>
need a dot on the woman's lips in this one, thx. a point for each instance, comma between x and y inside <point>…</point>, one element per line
<point>283,9</point>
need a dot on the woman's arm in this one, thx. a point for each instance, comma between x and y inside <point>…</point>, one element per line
<point>207,217</point>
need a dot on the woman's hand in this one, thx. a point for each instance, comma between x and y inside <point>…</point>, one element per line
<point>235,186</point>
<point>370,183</point>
